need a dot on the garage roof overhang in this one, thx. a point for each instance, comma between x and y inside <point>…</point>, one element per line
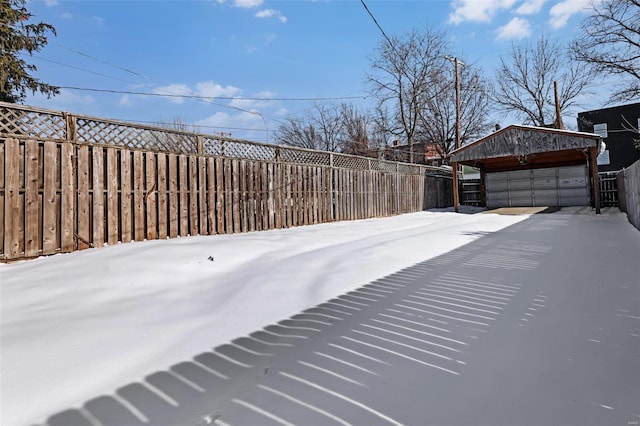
<point>524,147</point>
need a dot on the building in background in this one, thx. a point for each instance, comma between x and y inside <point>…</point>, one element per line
<point>619,127</point>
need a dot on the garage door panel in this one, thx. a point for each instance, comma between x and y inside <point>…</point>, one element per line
<point>559,186</point>
<point>519,185</point>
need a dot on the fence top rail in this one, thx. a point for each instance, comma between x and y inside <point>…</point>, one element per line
<point>23,121</point>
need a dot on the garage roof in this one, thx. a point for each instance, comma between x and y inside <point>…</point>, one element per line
<point>517,146</point>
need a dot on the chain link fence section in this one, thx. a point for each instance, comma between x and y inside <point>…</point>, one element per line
<point>29,122</point>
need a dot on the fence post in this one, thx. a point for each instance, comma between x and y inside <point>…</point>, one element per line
<point>70,126</point>
<point>200,145</point>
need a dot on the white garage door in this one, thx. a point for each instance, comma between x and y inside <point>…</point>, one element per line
<point>558,186</point>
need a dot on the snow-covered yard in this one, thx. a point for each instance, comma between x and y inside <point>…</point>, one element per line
<point>80,325</point>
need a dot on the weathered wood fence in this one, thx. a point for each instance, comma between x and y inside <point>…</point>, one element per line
<point>629,192</point>
<point>60,194</point>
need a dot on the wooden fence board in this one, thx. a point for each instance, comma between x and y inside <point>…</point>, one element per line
<point>242,171</point>
<point>12,199</point>
<point>270,200</point>
<point>151,197</point>
<point>251,196</point>
<point>50,216</point>
<point>202,196</point>
<point>126,198</point>
<point>113,210</point>
<point>67,198</point>
<point>163,205</point>
<point>211,195</point>
<point>220,195</point>
<point>264,195</point>
<point>184,195</point>
<point>84,198</point>
<point>98,197</point>
<point>235,195</point>
<point>138,196</point>
<point>173,195</point>
<point>3,226</point>
<point>193,195</point>
<point>228,197</point>
<point>258,194</point>
<point>32,241</point>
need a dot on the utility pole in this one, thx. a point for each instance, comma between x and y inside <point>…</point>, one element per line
<point>456,62</point>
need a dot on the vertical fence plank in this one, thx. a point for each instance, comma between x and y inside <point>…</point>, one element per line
<point>113,210</point>
<point>258,194</point>
<point>293,190</point>
<point>279,195</point>
<point>173,195</point>
<point>184,195</point>
<point>84,198</point>
<point>151,191</point>
<point>228,197</point>
<point>12,199</point>
<point>244,225</point>
<point>202,195</point>
<point>251,196</point>
<point>98,197</point>
<point>138,196</point>
<point>235,195</point>
<point>126,216</point>
<point>50,216</point>
<point>3,160</point>
<point>163,220</point>
<point>270,201</point>
<point>211,195</point>
<point>220,194</point>
<point>193,195</point>
<point>67,201</point>
<point>31,200</point>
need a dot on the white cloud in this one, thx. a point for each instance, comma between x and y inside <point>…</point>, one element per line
<point>174,89</point>
<point>271,13</point>
<point>477,10</point>
<point>126,101</point>
<point>211,89</point>
<point>51,2</point>
<point>247,4</point>
<point>66,15</point>
<point>562,11</point>
<point>516,29</point>
<point>530,7</point>
<point>239,125</point>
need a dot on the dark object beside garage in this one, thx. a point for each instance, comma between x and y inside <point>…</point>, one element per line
<point>523,166</point>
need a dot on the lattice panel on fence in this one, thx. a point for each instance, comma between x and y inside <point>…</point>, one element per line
<point>382,165</point>
<point>238,149</point>
<point>36,124</point>
<point>112,133</point>
<point>350,162</point>
<point>301,156</point>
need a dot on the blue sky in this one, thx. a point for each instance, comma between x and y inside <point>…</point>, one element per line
<point>264,50</point>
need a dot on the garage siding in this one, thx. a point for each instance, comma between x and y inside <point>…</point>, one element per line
<point>557,186</point>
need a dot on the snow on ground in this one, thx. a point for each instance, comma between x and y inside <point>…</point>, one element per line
<point>76,326</point>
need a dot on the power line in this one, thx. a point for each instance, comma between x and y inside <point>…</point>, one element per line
<point>230,98</point>
<point>375,21</point>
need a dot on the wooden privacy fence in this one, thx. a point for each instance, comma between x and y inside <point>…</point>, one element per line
<point>58,196</point>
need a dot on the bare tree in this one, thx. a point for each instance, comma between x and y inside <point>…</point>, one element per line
<point>611,43</point>
<point>401,79</point>
<point>438,118</point>
<point>524,81</point>
<point>355,130</point>
<point>321,129</point>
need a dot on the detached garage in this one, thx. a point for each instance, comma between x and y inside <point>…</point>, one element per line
<point>522,166</point>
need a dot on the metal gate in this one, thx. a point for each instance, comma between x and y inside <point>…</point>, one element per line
<point>608,189</point>
<point>556,186</point>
